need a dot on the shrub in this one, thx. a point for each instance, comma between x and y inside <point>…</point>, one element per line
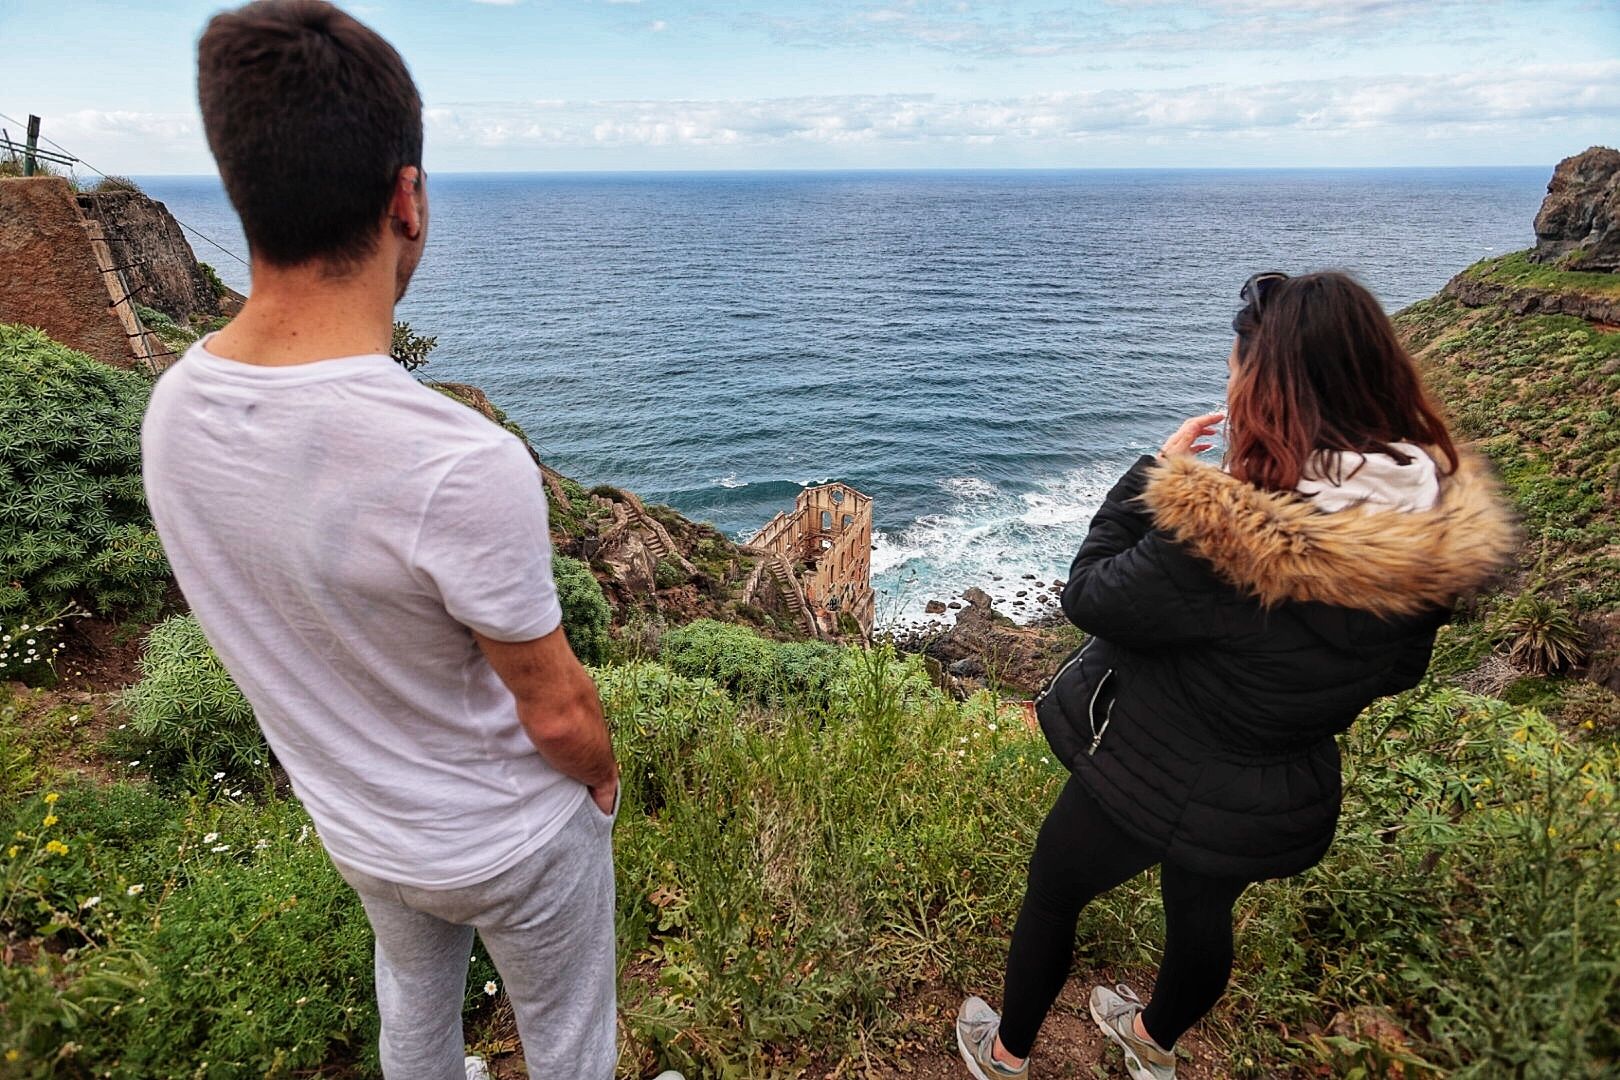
<point>114,183</point>
<point>187,713</point>
<point>669,574</point>
<point>73,519</point>
<point>171,333</point>
<point>215,285</point>
<point>586,615</point>
<point>410,349</point>
<point>1541,634</point>
<point>754,668</point>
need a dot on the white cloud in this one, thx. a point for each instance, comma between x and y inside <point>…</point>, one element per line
<point>658,26</point>
<point>1467,103</point>
<point>1006,28</point>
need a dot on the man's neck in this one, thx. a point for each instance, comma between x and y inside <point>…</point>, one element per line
<point>301,315</point>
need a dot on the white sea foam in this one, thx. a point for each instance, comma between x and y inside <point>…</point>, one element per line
<point>731,481</point>
<point>984,534</point>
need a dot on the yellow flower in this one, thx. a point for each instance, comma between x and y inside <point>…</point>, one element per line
<point>13,1054</point>
<point>51,797</point>
<point>50,819</point>
<point>11,852</point>
<point>56,847</point>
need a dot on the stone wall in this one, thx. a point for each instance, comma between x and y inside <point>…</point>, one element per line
<point>830,531</point>
<point>49,274</point>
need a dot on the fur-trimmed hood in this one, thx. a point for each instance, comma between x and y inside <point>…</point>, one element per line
<point>1279,547</point>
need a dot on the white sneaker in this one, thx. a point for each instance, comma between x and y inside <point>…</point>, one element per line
<point>476,1069</point>
<point>669,1074</point>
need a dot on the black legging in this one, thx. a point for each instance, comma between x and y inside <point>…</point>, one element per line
<point>1081,854</point>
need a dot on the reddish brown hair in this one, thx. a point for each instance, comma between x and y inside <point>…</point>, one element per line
<point>310,115</point>
<point>1319,367</point>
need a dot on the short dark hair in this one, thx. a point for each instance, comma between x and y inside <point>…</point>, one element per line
<point>310,115</point>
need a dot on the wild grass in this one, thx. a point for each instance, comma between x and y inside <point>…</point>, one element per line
<point>1517,271</point>
<point>792,867</point>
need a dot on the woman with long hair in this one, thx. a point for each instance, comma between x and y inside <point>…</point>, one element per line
<point>1239,617</point>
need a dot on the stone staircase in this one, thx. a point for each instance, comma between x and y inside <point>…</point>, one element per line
<point>787,584</point>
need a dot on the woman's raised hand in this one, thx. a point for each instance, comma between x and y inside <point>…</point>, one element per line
<point>1187,438</point>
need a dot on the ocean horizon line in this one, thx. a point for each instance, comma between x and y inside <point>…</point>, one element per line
<point>965,170</point>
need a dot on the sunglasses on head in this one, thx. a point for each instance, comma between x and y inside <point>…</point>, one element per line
<point>1253,295</point>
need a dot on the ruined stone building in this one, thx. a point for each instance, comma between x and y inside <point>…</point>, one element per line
<point>827,537</point>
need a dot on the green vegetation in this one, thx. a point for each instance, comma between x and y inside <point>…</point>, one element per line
<point>586,616</point>
<point>73,521</point>
<point>789,875</point>
<point>187,719</point>
<point>669,574</point>
<point>752,667</point>
<point>211,276</point>
<point>1516,271</point>
<point>175,337</point>
<point>113,183</point>
<point>409,349</point>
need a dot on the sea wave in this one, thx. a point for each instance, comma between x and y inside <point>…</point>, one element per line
<point>1006,543</point>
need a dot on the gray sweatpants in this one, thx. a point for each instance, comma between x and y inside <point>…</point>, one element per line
<point>547,923</point>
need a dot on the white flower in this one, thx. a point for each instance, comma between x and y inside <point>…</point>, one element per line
<point>992,727</point>
<point>490,988</point>
<point>961,753</point>
<point>260,844</point>
<point>219,776</point>
<point>1045,760</point>
<point>90,901</point>
<point>137,761</point>
<point>135,890</point>
<point>237,794</point>
<point>217,848</point>
<point>211,837</point>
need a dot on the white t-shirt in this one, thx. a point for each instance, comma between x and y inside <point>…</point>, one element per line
<point>337,529</point>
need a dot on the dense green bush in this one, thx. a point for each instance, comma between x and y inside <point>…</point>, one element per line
<point>585,611</point>
<point>73,518</point>
<point>755,668</point>
<point>187,715</point>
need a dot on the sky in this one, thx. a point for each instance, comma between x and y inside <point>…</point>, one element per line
<point>534,85</point>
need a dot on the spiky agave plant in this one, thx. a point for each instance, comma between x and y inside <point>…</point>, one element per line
<point>1542,635</point>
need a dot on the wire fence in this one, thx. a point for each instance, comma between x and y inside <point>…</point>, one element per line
<point>73,157</point>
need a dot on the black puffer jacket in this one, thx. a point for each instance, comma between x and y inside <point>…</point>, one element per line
<point>1236,632</point>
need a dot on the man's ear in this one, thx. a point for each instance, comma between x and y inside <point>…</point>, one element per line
<point>405,206</point>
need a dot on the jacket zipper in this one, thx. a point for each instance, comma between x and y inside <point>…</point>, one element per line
<point>1074,658</point>
<point>1091,709</point>
<point>1091,714</point>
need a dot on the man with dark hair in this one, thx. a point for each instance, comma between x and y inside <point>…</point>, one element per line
<point>371,562</point>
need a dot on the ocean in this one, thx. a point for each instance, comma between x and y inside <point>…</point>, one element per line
<point>981,352</point>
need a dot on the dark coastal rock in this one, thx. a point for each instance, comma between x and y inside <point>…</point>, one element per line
<point>158,262</point>
<point>977,597</point>
<point>985,647</point>
<point>1579,221</point>
<point>935,607</point>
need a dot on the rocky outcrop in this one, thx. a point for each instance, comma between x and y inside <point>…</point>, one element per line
<point>986,648</point>
<point>147,241</point>
<point>1476,290</point>
<point>1579,222</point>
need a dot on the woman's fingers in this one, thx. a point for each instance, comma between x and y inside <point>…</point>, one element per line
<point>1187,436</point>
